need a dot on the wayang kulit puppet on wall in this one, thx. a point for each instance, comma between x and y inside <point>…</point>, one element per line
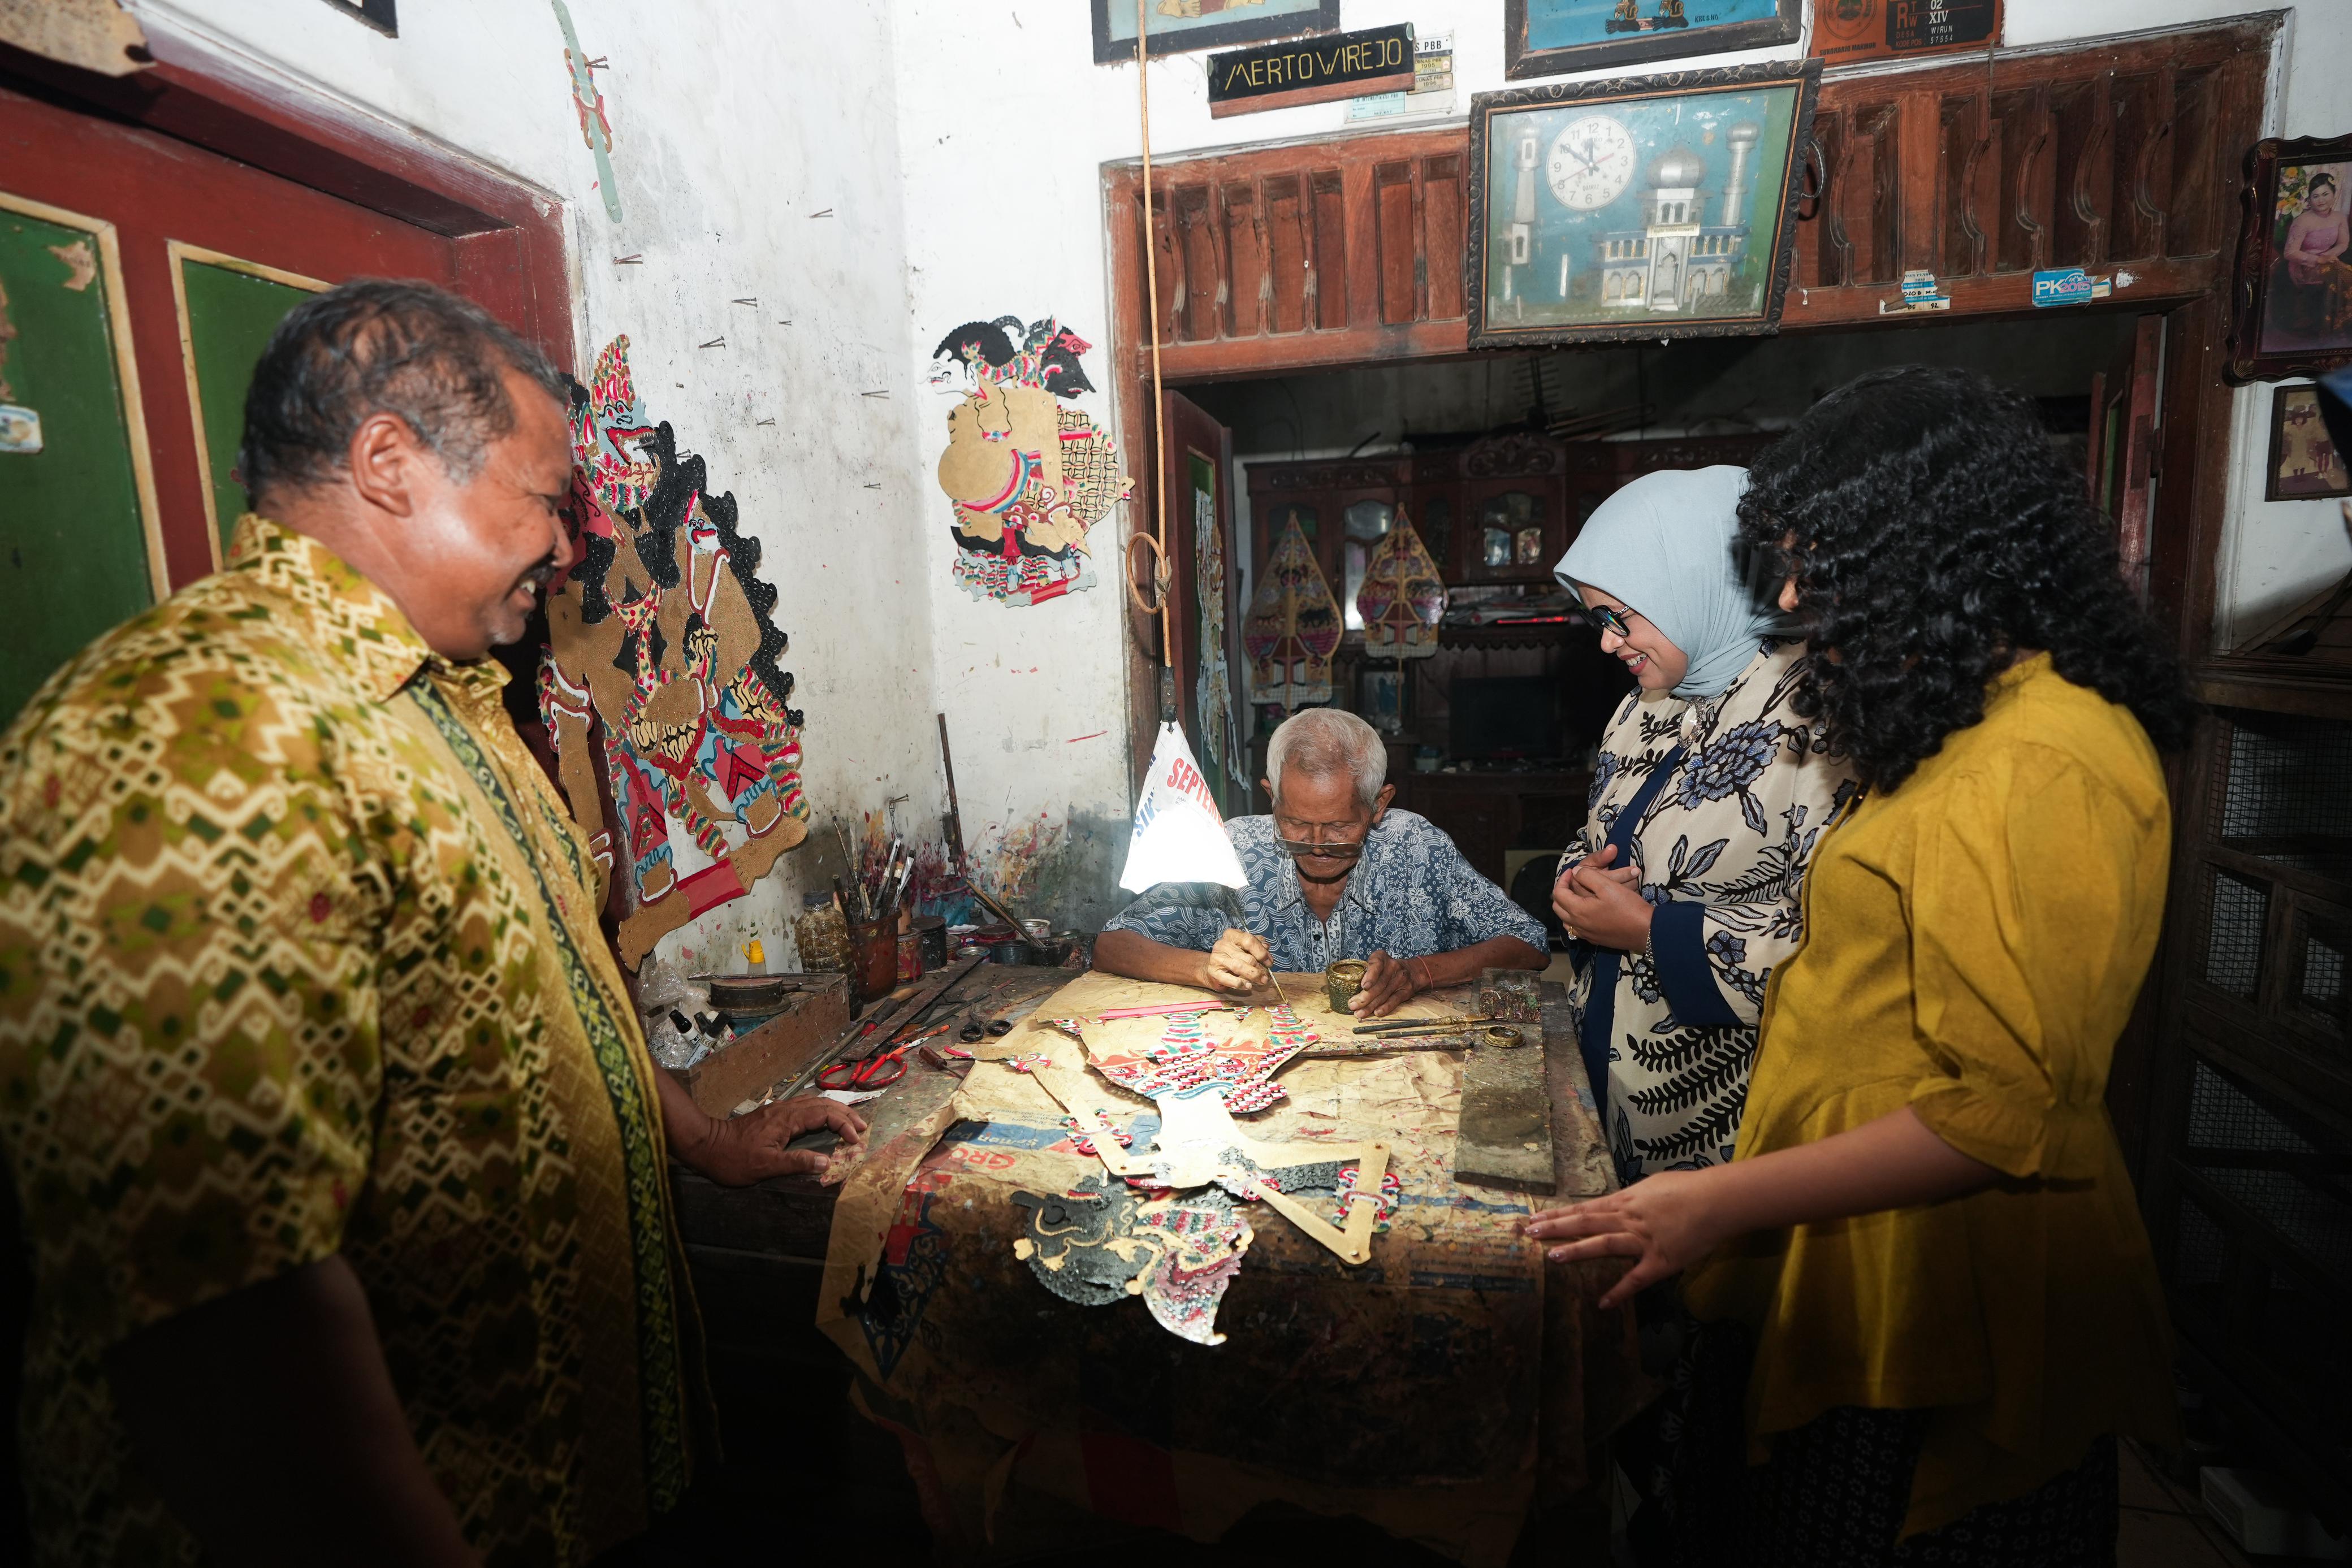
<point>661,684</point>
<point>1027,471</point>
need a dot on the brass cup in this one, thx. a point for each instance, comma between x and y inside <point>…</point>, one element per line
<point>1343,980</point>
<point>1500,1037</point>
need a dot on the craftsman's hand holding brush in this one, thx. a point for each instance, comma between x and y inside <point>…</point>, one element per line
<point>1236,966</point>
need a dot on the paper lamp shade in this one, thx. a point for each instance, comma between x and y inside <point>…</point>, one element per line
<point>1179,835</point>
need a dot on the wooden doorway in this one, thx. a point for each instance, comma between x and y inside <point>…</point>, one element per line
<point>153,230</point>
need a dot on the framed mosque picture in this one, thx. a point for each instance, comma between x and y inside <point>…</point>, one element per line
<point>1554,37</point>
<point>1643,207</point>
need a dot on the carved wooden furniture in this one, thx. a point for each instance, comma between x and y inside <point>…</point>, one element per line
<point>1348,251</point>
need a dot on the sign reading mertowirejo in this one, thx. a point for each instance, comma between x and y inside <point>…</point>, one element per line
<point>1311,70</point>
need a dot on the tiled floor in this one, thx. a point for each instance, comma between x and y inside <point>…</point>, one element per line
<point>2164,1525</point>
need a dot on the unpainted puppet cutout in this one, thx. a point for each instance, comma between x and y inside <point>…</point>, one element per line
<point>1293,627</point>
<point>1027,472</point>
<point>662,667</point>
<point>1403,599</point>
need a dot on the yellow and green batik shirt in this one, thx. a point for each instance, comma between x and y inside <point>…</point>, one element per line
<point>299,956</point>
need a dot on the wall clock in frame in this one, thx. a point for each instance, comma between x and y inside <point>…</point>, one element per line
<point>1555,38</point>
<point>1641,207</point>
<point>2291,296</point>
<point>1181,26</point>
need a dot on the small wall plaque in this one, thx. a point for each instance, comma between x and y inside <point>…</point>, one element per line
<point>1311,70</point>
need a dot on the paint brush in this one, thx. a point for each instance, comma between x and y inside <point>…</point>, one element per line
<point>1228,903</point>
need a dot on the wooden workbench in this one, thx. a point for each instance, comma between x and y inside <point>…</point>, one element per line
<point>757,1254</point>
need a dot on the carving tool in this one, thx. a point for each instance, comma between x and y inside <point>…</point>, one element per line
<point>1424,1026</point>
<point>1161,1009</point>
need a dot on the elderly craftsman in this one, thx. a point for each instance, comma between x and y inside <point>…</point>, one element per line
<point>342,1160</point>
<point>1333,873</point>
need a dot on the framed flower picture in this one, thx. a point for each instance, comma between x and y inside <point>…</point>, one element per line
<point>1553,37</point>
<point>1641,207</point>
<point>2291,299</point>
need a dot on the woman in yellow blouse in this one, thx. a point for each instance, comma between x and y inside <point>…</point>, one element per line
<point>1927,1303</point>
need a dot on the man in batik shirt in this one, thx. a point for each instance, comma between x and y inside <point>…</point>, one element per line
<point>342,1163</point>
<point>1333,873</point>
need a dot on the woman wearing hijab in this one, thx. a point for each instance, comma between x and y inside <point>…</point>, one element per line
<point>1927,1304</point>
<point>1682,893</point>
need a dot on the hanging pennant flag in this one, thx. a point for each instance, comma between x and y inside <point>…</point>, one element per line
<point>1178,834</point>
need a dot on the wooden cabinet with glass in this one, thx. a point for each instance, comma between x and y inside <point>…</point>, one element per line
<point>1501,510</point>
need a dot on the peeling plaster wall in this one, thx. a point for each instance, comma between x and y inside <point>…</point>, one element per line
<point>731,126</point>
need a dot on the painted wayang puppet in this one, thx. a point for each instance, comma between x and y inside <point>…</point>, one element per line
<point>1027,473</point>
<point>663,637</point>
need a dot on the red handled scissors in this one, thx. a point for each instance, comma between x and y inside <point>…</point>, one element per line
<point>876,1071</point>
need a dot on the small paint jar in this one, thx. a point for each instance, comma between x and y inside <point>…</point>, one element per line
<point>911,956</point>
<point>1342,980</point>
<point>932,933</point>
<point>1500,1037</point>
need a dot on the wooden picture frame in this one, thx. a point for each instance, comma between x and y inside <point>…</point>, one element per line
<point>1619,247</point>
<point>1851,32</point>
<point>1251,24</point>
<point>1554,37</point>
<point>2291,295</point>
<point>2300,438</point>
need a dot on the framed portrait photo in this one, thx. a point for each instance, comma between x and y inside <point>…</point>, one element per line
<point>1553,37</point>
<point>2290,298</point>
<point>1641,207</point>
<point>2305,463</point>
<point>1179,26</point>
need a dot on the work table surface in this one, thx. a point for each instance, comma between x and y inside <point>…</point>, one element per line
<point>757,1254</point>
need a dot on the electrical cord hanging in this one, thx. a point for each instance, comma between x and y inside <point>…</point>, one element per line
<point>1161,579</point>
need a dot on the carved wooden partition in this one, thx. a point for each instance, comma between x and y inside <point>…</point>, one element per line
<point>2105,156</point>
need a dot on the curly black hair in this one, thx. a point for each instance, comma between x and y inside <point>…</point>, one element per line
<point>1935,534</point>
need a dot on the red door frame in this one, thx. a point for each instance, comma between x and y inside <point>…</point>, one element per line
<point>505,238</point>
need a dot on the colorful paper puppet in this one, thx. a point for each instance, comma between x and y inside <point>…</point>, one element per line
<point>1403,599</point>
<point>1103,1241</point>
<point>1176,1239</point>
<point>662,666</point>
<point>596,130</point>
<point>1027,475</point>
<point>1293,627</point>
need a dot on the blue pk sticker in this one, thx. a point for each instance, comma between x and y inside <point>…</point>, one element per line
<point>2068,285</point>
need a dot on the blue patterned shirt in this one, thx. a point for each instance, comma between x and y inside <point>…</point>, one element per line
<point>1410,895</point>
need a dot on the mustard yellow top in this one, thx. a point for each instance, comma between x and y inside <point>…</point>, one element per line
<point>1977,937</point>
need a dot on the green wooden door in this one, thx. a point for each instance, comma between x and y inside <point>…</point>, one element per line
<point>79,545</point>
<point>229,310</point>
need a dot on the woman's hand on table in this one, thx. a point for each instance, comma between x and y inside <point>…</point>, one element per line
<point>1236,966</point>
<point>1389,982</point>
<point>740,1150</point>
<point>1664,1222</point>
<point>1601,902</point>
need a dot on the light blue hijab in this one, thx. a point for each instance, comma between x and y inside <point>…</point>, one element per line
<point>1663,546</point>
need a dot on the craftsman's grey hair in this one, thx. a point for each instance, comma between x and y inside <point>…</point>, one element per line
<point>1322,741</point>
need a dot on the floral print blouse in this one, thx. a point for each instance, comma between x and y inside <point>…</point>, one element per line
<point>1720,801</point>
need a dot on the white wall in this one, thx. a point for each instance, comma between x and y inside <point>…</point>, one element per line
<point>731,125</point>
